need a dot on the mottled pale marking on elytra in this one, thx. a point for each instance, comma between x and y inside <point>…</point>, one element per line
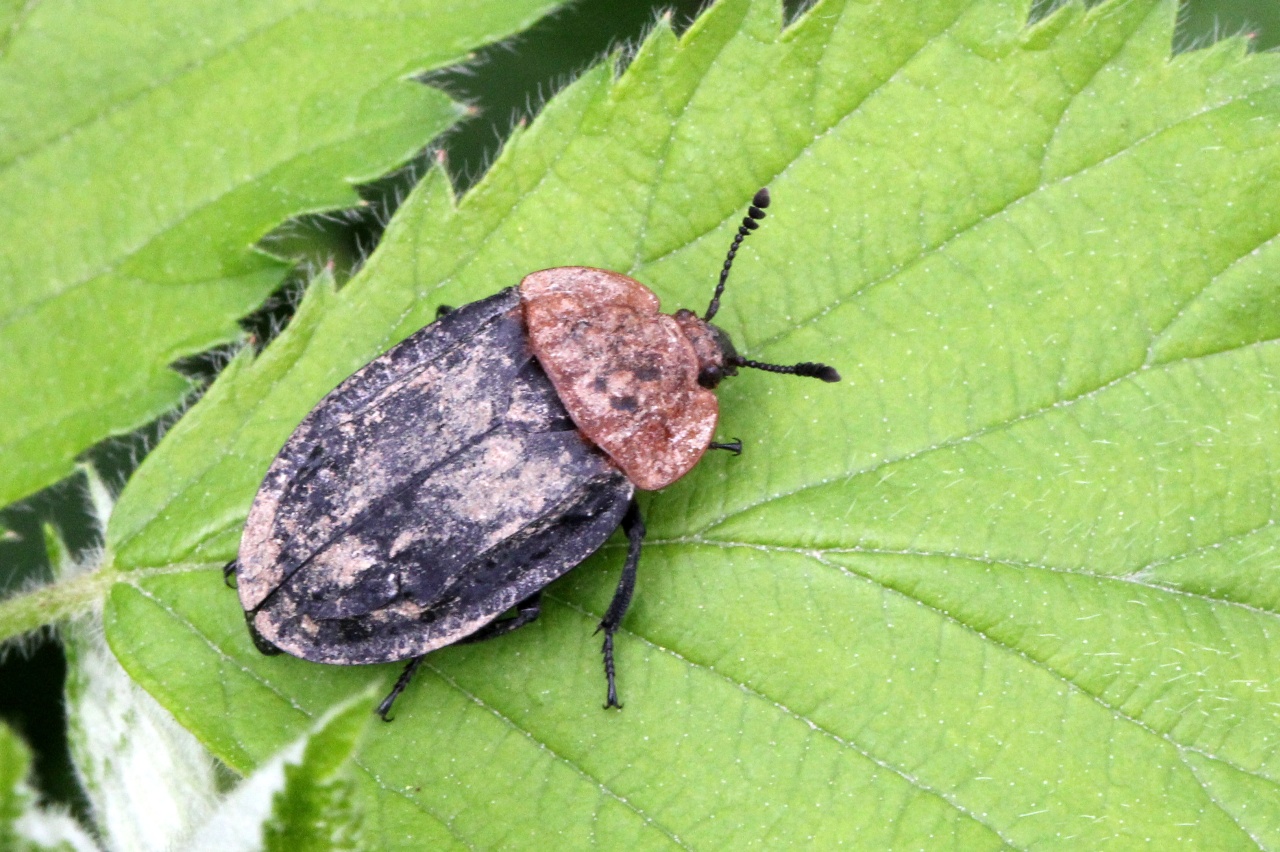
<point>627,374</point>
<point>406,537</point>
<point>430,492</point>
<point>349,560</point>
<point>372,445</point>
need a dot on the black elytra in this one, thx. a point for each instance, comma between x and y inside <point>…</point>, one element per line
<point>444,485</point>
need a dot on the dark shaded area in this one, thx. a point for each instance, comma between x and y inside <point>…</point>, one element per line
<point>507,83</point>
<point>31,704</point>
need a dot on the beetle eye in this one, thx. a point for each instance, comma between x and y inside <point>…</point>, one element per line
<point>710,377</point>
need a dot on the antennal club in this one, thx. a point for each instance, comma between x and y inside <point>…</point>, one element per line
<point>749,223</point>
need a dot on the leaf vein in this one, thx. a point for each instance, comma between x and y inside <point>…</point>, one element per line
<point>528,735</point>
<point>1013,203</point>
<point>417,805</point>
<point>1195,297</point>
<point>983,431</point>
<point>800,717</point>
<point>816,554</point>
<point>1064,679</point>
<point>1218,803</point>
<point>984,560</point>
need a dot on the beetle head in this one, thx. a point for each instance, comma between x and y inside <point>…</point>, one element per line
<point>716,356</point>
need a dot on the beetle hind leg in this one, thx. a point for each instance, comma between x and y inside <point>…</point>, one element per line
<point>229,572</point>
<point>384,707</point>
<point>633,526</point>
<point>526,611</point>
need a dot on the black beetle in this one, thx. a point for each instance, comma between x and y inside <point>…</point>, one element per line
<point>453,478</point>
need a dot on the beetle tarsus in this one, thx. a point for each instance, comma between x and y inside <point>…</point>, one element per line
<point>734,446</point>
<point>229,572</point>
<point>607,650</point>
<point>384,707</point>
<point>633,526</point>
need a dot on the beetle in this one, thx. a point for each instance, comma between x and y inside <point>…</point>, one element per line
<point>453,478</point>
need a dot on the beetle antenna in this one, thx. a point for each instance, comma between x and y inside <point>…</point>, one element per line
<point>749,223</point>
<point>806,368</point>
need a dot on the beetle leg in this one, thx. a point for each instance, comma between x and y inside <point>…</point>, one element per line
<point>526,611</point>
<point>228,571</point>
<point>405,676</point>
<point>444,309</point>
<point>633,526</point>
<point>734,446</point>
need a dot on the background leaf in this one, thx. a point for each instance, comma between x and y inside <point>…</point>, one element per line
<point>298,800</point>
<point>315,808</point>
<point>24,827</point>
<point>1011,584</point>
<point>144,149</point>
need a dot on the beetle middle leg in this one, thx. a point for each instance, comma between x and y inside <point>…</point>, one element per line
<point>633,526</point>
<point>526,611</point>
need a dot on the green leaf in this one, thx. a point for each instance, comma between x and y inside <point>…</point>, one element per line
<point>23,826</point>
<point>300,799</point>
<point>144,149</point>
<point>15,761</point>
<point>316,809</point>
<point>1012,583</point>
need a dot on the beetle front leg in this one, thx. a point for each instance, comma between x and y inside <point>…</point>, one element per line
<point>633,526</point>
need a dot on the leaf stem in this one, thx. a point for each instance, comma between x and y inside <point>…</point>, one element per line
<point>24,612</point>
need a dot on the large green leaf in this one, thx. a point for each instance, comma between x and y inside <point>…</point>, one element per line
<point>1012,583</point>
<point>144,148</point>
